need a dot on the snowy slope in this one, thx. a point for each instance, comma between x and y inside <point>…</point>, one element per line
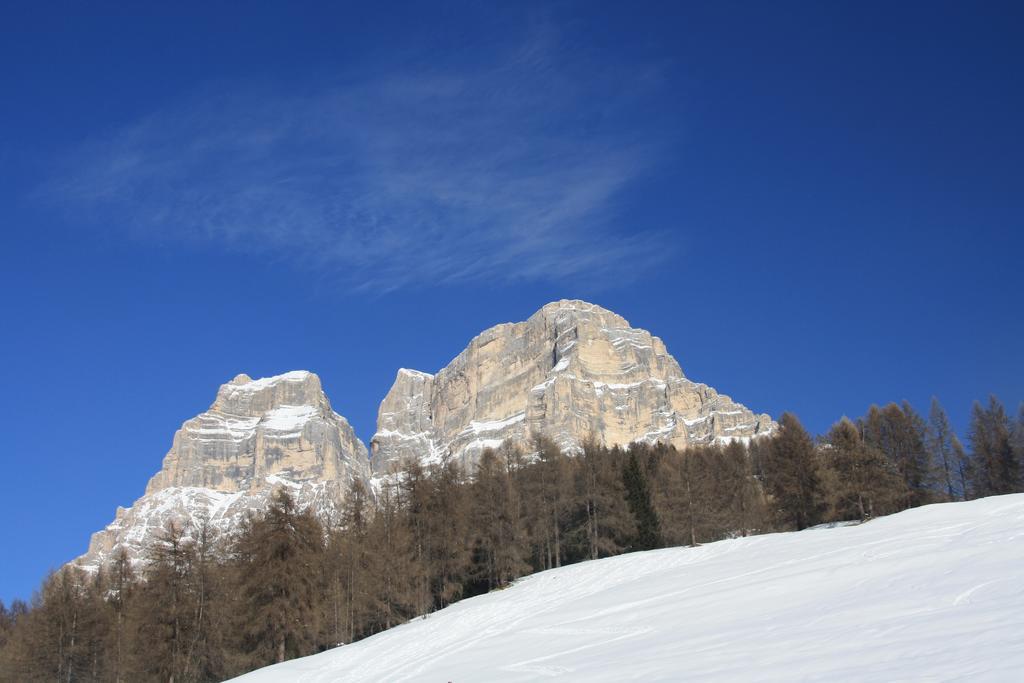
<point>935,593</point>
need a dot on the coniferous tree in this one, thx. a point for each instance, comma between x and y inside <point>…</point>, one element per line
<point>1018,438</point>
<point>426,536</point>
<point>719,495</point>
<point>743,509</point>
<point>706,493</point>
<point>605,521</point>
<point>447,534</point>
<point>279,559</point>
<point>95,625</point>
<point>547,503</point>
<point>352,564</point>
<point>865,483</point>
<point>208,626</point>
<point>6,624</point>
<point>434,506</point>
<point>500,537</point>
<point>400,570</point>
<point>121,592</point>
<point>159,621</point>
<point>670,494</point>
<point>940,444</point>
<point>11,634</point>
<point>793,477</point>
<point>899,432</point>
<point>995,466</point>
<point>49,643</point>
<point>638,497</point>
<point>962,467</point>
<point>415,491</point>
<point>692,495</point>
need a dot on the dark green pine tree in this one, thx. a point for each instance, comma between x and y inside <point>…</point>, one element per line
<point>638,496</point>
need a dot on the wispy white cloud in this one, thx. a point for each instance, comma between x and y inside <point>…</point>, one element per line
<point>508,171</point>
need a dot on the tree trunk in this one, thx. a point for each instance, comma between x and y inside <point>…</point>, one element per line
<point>689,510</point>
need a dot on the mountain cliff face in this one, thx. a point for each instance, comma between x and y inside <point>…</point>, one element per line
<point>572,370</point>
<point>257,435</point>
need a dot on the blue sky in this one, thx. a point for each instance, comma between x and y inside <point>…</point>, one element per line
<point>818,206</point>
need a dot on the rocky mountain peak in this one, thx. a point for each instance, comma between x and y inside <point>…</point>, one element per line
<point>571,370</point>
<point>272,425</point>
<point>258,435</point>
<point>575,309</point>
<point>246,396</point>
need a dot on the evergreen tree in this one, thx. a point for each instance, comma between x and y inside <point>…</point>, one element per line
<point>1017,443</point>
<point>401,572</point>
<point>95,626</point>
<point>793,477</point>
<point>638,497</point>
<point>547,503</point>
<point>6,624</point>
<point>865,483</point>
<point>962,467</point>
<point>669,495</point>
<point>682,494</point>
<point>353,600</point>
<point>435,507</point>
<point>500,537</point>
<point>605,522</point>
<point>428,536</point>
<point>735,503</point>
<point>159,625</point>
<point>279,559</point>
<point>12,633</point>
<point>415,492</point>
<point>995,466</point>
<point>448,536</point>
<point>208,625</point>
<point>51,641</point>
<point>899,432</point>
<point>940,445</point>
<point>122,588</point>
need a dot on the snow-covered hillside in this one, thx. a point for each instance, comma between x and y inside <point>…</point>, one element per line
<point>935,593</point>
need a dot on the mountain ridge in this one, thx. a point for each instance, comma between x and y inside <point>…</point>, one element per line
<point>571,371</point>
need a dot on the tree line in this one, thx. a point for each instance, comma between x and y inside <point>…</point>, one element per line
<point>203,608</point>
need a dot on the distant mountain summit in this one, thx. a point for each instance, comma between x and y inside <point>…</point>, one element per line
<point>258,435</point>
<point>571,371</point>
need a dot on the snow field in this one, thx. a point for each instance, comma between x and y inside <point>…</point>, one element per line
<point>931,594</point>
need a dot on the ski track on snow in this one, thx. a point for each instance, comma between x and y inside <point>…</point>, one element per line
<point>935,593</point>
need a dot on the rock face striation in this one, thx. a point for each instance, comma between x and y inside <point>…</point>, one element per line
<point>571,371</point>
<point>258,435</point>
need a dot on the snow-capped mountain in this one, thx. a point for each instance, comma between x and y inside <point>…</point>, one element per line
<point>571,371</point>
<point>257,435</point>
